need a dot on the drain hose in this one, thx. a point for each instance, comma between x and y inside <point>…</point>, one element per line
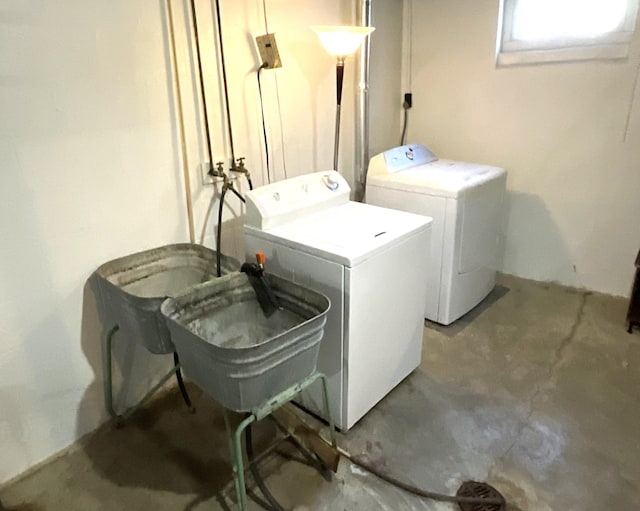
<point>272,504</point>
<point>490,504</point>
<point>219,232</point>
<point>455,499</point>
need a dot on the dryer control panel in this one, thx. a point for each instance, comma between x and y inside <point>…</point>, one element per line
<point>272,205</point>
<point>400,158</point>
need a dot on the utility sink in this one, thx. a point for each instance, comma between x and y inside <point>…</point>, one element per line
<point>133,287</point>
<point>236,353</point>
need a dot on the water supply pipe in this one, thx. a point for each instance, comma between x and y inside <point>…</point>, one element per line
<point>362,115</point>
<point>183,138</point>
<point>203,94</point>
<point>225,84</point>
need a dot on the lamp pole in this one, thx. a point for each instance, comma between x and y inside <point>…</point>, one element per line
<point>339,81</point>
<point>340,41</point>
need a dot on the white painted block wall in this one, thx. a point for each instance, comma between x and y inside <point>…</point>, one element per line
<point>90,170</point>
<point>559,130</point>
<point>88,173</point>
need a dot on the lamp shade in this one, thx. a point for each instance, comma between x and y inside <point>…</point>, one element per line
<point>341,40</point>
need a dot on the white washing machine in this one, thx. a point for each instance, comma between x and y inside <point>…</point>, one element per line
<point>466,202</point>
<point>369,261</point>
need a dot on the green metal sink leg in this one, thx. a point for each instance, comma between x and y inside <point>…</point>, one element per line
<point>259,413</point>
<point>108,382</point>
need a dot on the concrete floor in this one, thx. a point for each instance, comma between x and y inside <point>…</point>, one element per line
<point>536,392</point>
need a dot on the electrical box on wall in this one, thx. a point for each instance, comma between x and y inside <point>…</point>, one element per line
<point>268,51</point>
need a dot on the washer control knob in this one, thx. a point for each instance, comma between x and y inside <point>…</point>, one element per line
<point>331,181</point>
<point>276,196</point>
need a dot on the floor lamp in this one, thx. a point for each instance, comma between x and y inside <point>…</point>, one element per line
<point>340,41</point>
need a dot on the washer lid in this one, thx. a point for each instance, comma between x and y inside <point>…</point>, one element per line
<point>443,178</point>
<point>348,233</point>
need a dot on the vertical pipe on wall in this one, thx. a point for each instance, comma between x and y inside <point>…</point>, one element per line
<point>223,65</point>
<point>203,93</point>
<point>407,45</point>
<point>362,116</point>
<point>183,138</point>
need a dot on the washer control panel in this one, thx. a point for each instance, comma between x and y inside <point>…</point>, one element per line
<point>277,203</point>
<point>331,181</point>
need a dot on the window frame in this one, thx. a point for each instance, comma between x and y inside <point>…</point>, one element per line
<point>610,45</point>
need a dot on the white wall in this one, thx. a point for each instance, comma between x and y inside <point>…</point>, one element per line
<point>559,129</point>
<point>91,170</point>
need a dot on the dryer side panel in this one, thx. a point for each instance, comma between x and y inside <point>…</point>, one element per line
<point>481,219</point>
<point>475,255</point>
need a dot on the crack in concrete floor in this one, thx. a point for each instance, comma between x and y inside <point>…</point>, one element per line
<point>556,361</point>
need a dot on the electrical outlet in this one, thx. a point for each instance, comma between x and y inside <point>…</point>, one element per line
<point>268,51</point>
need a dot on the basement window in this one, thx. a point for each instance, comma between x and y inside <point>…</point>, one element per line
<point>540,31</point>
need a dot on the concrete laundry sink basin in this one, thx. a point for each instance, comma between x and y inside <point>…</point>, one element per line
<point>133,287</point>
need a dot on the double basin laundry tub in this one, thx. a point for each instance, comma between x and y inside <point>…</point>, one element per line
<point>170,300</point>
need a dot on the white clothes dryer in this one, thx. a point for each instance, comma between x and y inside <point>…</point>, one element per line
<point>466,202</point>
<point>368,260</point>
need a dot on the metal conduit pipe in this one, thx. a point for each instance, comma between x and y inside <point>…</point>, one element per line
<point>180,119</point>
<point>225,84</point>
<point>203,92</point>
<point>362,114</point>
